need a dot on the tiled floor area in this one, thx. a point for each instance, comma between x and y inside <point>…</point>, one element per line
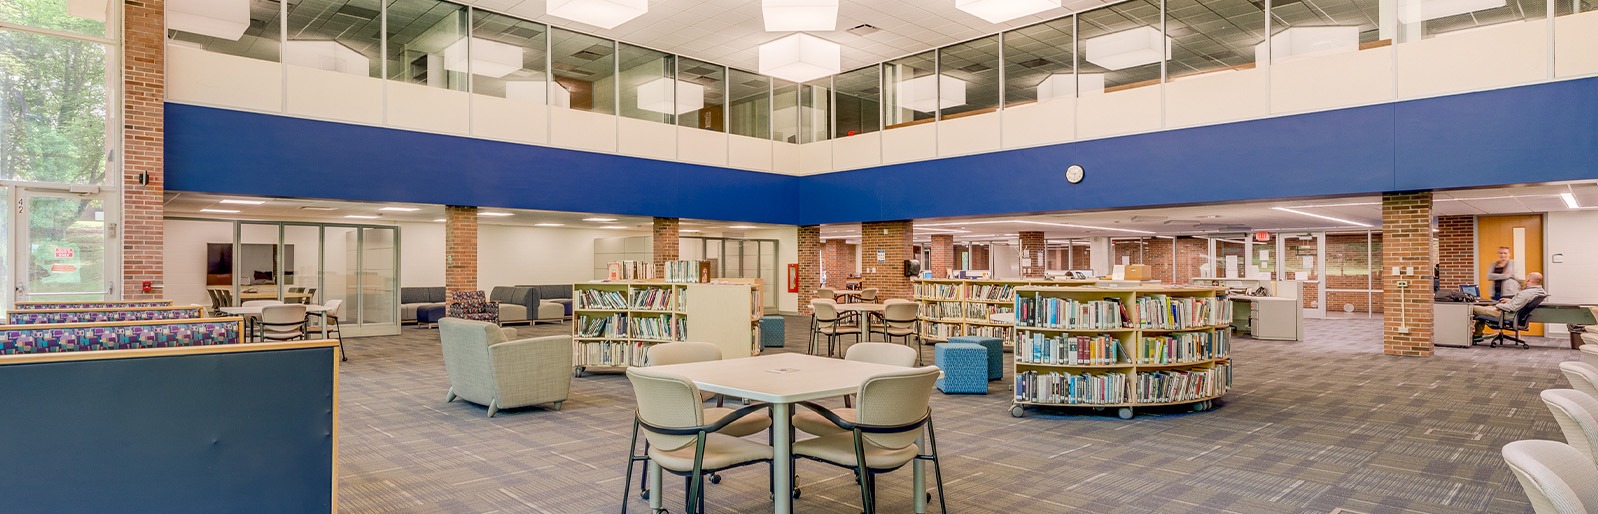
<point>1315,426</point>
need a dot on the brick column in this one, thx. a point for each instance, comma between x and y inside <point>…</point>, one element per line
<point>1456,250</point>
<point>1406,242</point>
<point>143,94</point>
<point>837,257</point>
<point>979,257</point>
<point>892,238</point>
<point>809,265</point>
<point>942,255</point>
<point>666,246</point>
<point>460,248</point>
<point>1157,254</point>
<point>1032,246</point>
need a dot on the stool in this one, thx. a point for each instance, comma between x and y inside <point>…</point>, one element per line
<point>964,365</point>
<point>428,315</point>
<point>772,334</point>
<point>995,348</point>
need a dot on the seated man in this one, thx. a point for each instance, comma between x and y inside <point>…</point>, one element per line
<point>1532,289</point>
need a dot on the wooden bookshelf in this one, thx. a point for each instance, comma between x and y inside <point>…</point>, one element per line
<point>642,313</point>
<point>964,307</point>
<point>1122,348</point>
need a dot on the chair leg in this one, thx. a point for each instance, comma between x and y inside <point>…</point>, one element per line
<point>627,483</point>
<point>450,396</point>
<point>493,407</point>
<point>937,465</point>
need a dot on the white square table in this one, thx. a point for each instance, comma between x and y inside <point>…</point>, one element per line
<point>782,380</point>
<point>256,311</point>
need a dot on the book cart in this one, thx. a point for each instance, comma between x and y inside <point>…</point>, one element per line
<point>1120,348</point>
<point>615,322</point>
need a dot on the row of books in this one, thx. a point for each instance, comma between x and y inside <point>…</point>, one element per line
<point>654,299</point>
<point>692,272</point>
<point>1002,332</point>
<point>941,330</point>
<point>614,325</point>
<point>600,299</point>
<point>1184,347</point>
<point>938,291</point>
<point>1085,350</point>
<point>1069,313</point>
<point>1160,311</point>
<point>661,328</point>
<point>611,354</point>
<point>1181,386</point>
<point>984,311</point>
<point>630,270</point>
<point>1070,389</point>
<point>946,310</point>
<point>999,292</point>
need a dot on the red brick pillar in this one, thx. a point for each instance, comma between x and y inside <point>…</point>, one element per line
<point>1407,243</point>
<point>942,255</point>
<point>1032,246</point>
<point>1157,254</point>
<point>1456,250</point>
<point>837,257</point>
<point>979,257</point>
<point>666,246</point>
<point>460,248</point>
<point>892,239</point>
<point>143,94</point>
<point>809,265</point>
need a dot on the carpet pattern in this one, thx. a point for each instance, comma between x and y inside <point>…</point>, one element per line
<point>1325,425</point>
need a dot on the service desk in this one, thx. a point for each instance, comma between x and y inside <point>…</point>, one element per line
<point>1451,324</point>
<point>1268,317</point>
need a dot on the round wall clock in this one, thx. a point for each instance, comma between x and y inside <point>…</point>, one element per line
<point>1074,174</point>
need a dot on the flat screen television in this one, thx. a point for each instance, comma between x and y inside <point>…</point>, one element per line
<point>259,264</point>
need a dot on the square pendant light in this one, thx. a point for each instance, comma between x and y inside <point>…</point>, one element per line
<point>1416,11</point>
<point>221,19</point>
<point>1000,11</point>
<point>535,92</point>
<point>1127,48</point>
<point>800,15</point>
<point>326,55</point>
<point>1307,41</point>
<point>488,58</point>
<point>605,14</point>
<point>800,58</point>
<point>655,96</point>
<point>930,93</point>
<point>1063,85</point>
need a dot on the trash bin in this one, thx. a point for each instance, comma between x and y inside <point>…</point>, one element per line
<point>1575,335</point>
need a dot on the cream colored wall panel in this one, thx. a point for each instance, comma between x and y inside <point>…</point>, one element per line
<point>1576,44</point>
<point>1121,112</point>
<point>969,134</point>
<point>335,96</point>
<point>815,157</point>
<point>497,118</point>
<point>702,146</point>
<point>646,139</point>
<point>785,158</point>
<point>857,151</point>
<point>1039,123</point>
<point>748,153</point>
<point>431,109</point>
<point>1495,56</point>
<point>1332,81</point>
<point>197,76</point>
<point>1216,97</point>
<point>912,143</point>
<point>582,130</point>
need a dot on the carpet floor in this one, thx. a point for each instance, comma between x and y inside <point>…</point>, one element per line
<point>1325,425</point>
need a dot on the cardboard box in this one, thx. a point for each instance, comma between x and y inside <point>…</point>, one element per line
<point>1138,272</point>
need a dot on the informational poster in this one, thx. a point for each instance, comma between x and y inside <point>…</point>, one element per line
<point>882,256</point>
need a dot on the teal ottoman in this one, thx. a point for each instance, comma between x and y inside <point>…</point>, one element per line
<point>964,365</point>
<point>995,348</point>
<point>772,334</point>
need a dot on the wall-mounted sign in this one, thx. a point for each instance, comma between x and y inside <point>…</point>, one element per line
<point>882,256</point>
<point>64,253</point>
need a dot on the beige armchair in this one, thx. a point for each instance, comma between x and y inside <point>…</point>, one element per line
<point>486,368</point>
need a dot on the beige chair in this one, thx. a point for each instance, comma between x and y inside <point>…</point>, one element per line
<point>893,416</point>
<point>1558,479</point>
<point>1577,414</point>
<point>868,295</point>
<point>827,293</point>
<point>678,437</point>
<point>826,321</point>
<point>692,351</point>
<point>1589,347</point>
<point>1582,376</point>
<point>281,322</point>
<point>900,318</point>
<point>335,308</point>
<point>486,368</point>
<point>875,353</point>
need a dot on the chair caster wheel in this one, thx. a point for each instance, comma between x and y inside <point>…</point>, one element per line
<point>795,493</point>
<point>644,494</point>
<point>715,479</point>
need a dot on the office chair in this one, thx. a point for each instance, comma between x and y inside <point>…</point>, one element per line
<point>1505,324</point>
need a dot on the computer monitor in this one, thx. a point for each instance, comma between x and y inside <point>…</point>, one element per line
<point>1470,289</point>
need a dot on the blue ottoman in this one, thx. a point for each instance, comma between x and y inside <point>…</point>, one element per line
<point>995,348</point>
<point>965,367</point>
<point>430,314</point>
<point>772,334</point>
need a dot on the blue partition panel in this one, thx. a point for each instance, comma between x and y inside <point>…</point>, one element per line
<point>224,432</point>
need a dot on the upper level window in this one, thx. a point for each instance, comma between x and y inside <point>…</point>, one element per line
<point>509,58</point>
<point>585,66</point>
<point>341,37</point>
<point>427,44</point>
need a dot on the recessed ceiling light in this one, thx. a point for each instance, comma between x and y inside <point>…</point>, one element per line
<point>600,220</point>
<point>440,220</point>
<point>1000,11</point>
<point>499,214</point>
<point>689,231</point>
<point>220,211</point>
<point>741,227</point>
<point>549,224</point>
<point>243,202</point>
<point>400,209</point>
<point>1328,218</point>
<point>614,227</point>
<point>361,216</point>
<point>1570,200</point>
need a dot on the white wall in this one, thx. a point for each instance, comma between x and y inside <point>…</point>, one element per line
<point>1575,280</point>
<point>184,258</point>
<point>787,253</point>
<point>507,256</point>
<point>422,254</point>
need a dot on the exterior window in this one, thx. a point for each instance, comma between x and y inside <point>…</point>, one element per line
<point>53,108</point>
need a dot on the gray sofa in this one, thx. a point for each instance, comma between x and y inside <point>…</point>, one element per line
<point>560,294</point>
<point>522,304</point>
<point>412,298</point>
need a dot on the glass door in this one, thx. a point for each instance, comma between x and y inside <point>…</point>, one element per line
<point>62,252</point>
<point>1304,261</point>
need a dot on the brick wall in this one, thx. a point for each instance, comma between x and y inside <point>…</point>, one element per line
<point>809,265</point>
<point>837,257</point>
<point>980,260</point>
<point>1351,262</point>
<point>1081,257</point>
<point>1032,245</point>
<point>460,248</point>
<point>1191,255</point>
<point>1406,241</point>
<point>893,238</point>
<point>942,255</point>
<point>143,94</point>
<point>1456,250</point>
<point>666,245</point>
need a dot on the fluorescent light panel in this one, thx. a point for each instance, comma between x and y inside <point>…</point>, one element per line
<point>361,216</point>
<point>220,211</point>
<point>800,15</point>
<point>930,93</point>
<point>549,224</point>
<point>600,220</point>
<point>1570,200</point>
<point>1127,48</point>
<point>1416,11</point>
<point>742,227</point>
<point>400,209</point>
<point>242,202</point>
<point>1000,11</point>
<point>495,214</point>
<point>656,96</point>
<point>1045,223</point>
<point>1328,218</point>
<point>800,58</point>
<point>605,14</point>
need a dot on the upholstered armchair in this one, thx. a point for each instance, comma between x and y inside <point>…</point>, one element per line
<point>486,368</point>
<point>473,305</point>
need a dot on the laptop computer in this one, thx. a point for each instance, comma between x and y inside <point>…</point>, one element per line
<point>1471,289</point>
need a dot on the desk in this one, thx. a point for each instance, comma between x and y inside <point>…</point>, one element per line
<point>813,378</point>
<point>272,295</point>
<point>1269,317</point>
<point>250,313</point>
<point>1451,324</point>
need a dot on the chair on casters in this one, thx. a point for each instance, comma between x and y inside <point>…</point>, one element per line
<point>679,439</point>
<point>691,351</point>
<point>282,322</point>
<point>876,353</point>
<point>1558,479</point>
<point>830,324</point>
<point>1515,322</point>
<point>900,319</point>
<point>330,316</point>
<point>893,417</point>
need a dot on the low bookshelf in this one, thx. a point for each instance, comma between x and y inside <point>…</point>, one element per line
<point>1120,348</point>
<point>615,322</point>
<point>965,307</point>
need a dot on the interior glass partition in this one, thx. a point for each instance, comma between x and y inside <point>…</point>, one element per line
<point>1208,38</point>
<point>707,82</point>
<point>968,77</point>
<point>1120,47</point>
<point>749,100</point>
<point>1229,257</point>
<point>911,90</point>
<point>784,111</point>
<point>585,66</point>
<point>1352,276</point>
<point>516,50</point>
<point>815,104</point>
<point>253,261</point>
<point>740,258</point>
<point>344,37</point>
<point>427,44</point>
<point>1040,62</point>
<point>648,90</point>
<point>377,278</point>
<point>301,257</point>
<point>1302,258</point>
<point>259,40</point>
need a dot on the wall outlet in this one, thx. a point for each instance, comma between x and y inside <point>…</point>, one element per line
<point>1402,283</point>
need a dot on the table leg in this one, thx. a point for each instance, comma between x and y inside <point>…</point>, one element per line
<point>919,478</point>
<point>655,483</point>
<point>324,324</point>
<point>782,436</point>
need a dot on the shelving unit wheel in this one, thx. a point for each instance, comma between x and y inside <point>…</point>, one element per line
<point>1098,409</point>
<point>1017,411</point>
<point>578,371</point>
<point>796,493</point>
<point>1201,406</point>
<point>1124,412</point>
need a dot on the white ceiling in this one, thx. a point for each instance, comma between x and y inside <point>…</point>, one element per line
<point>729,32</point>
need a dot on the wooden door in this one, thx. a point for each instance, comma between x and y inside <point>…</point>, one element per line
<point>1523,234</point>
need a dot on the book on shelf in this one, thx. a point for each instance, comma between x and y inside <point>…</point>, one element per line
<point>630,270</point>
<point>1070,388</point>
<point>1179,347</point>
<point>994,292</point>
<point>1070,313</point>
<point>600,299</point>
<point>948,310</point>
<point>1183,385</point>
<point>688,272</point>
<point>611,354</point>
<point>983,312</point>
<point>654,299</point>
<point>656,328</point>
<point>1083,350</point>
<point>1164,312</point>
<point>936,291</point>
<point>614,325</point>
